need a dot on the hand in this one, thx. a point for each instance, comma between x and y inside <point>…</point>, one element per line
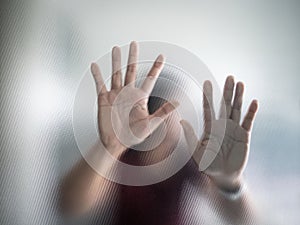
<point>116,101</point>
<point>231,150</point>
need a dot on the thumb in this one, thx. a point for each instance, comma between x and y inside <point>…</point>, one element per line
<point>189,133</point>
<point>161,114</point>
<point>192,142</point>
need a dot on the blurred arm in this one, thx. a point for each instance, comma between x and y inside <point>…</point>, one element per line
<point>83,187</point>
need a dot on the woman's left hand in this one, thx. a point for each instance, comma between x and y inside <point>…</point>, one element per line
<point>225,138</point>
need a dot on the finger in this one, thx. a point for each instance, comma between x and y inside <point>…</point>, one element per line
<point>132,64</point>
<point>164,111</point>
<point>116,79</point>
<point>208,108</point>
<point>189,133</point>
<point>248,120</point>
<point>225,110</point>
<point>100,86</point>
<point>154,72</point>
<point>237,102</point>
<point>161,114</point>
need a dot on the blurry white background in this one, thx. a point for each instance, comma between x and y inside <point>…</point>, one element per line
<point>47,46</point>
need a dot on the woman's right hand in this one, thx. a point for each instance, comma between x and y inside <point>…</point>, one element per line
<point>119,126</point>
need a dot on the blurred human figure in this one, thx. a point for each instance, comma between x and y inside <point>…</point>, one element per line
<point>170,201</point>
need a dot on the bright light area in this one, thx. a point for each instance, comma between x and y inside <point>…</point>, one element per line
<point>45,97</point>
